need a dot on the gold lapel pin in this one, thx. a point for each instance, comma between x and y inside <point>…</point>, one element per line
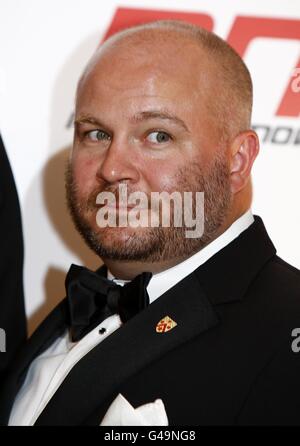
<point>165,324</point>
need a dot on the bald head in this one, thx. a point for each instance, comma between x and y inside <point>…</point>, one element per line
<point>208,58</point>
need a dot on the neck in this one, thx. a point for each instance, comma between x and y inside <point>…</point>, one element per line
<point>128,270</point>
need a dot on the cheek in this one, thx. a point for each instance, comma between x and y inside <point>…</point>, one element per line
<point>85,172</point>
<point>171,172</point>
<point>164,175</point>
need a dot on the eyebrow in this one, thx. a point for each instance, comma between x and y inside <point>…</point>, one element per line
<point>139,117</point>
<point>158,114</point>
<point>87,120</point>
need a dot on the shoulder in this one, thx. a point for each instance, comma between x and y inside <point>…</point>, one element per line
<point>274,297</point>
<point>280,280</point>
<point>272,300</point>
<point>285,268</point>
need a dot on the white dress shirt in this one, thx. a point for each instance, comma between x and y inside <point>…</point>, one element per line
<point>47,372</point>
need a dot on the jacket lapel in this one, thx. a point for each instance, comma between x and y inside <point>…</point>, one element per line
<point>42,338</point>
<point>128,350</point>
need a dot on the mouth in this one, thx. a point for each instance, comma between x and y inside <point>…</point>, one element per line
<point>122,208</point>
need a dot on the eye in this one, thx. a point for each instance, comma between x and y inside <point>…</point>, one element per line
<point>158,137</point>
<point>97,135</point>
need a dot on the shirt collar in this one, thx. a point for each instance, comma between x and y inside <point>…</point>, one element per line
<point>163,281</point>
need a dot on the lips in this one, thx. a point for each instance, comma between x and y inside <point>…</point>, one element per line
<point>123,208</point>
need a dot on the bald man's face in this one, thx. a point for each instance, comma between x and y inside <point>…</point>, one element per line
<point>143,119</point>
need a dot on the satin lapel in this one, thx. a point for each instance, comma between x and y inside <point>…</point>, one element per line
<point>47,332</point>
<point>128,350</point>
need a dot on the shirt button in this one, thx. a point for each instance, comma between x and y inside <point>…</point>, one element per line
<point>102,330</point>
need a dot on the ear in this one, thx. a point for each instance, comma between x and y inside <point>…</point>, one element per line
<point>243,151</point>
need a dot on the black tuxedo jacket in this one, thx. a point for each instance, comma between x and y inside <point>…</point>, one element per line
<point>228,361</point>
<point>12,314</point>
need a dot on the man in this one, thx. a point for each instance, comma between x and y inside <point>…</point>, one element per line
<point>12,313</point>
<point>165,107</point>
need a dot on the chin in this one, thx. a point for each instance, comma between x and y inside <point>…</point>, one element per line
<point>112,236</point>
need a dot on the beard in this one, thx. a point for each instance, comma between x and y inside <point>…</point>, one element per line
<point>155,244</point>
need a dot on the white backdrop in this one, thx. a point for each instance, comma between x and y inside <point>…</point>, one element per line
<point>44,47</point>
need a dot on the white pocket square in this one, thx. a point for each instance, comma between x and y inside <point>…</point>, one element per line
<point>121,413</point>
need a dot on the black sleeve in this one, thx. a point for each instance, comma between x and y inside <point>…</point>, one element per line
<point>12,314</point>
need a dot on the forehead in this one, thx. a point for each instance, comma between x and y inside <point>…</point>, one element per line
<point>141,74</point>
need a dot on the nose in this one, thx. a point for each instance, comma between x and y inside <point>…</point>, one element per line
<point>118,164</point>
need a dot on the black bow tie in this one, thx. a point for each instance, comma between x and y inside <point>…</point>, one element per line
<point>92,298</point>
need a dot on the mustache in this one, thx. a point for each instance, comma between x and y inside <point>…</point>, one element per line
<point>91,203</point>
